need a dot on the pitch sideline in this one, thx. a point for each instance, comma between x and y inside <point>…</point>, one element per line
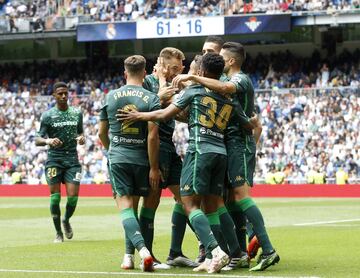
<point>157,274</point>
<point>326,222</point>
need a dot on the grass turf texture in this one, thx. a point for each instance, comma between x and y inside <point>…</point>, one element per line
<point>323,250</point>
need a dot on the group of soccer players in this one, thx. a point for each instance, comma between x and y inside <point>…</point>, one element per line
<point>211,186</point>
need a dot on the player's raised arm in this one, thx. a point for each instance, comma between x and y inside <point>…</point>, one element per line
<point>158,115</point>
<point>218,86</point>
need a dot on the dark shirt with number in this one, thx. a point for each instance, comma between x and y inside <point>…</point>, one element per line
<point>65,125</point>
<point>209,114</point>
<point>166,129</point>
<point>128,140</point>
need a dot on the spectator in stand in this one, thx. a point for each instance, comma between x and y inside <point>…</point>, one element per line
<point>342,177</point>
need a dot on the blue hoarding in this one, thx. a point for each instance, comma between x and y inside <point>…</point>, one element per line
<point>106,31</point>
<point>257,24</point>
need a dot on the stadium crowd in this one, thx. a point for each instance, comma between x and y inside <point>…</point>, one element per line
<point>124,10</point>
<point>305,130</point>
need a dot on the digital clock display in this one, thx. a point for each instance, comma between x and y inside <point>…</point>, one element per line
<point>182,27</point>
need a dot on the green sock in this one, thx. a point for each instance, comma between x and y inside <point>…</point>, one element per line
<point>132,228</point>
<point>178,221</point>
<point>229,231</point>
<point>55,210</point>
<point>147,216</point>
<point>129,247</point>
<point>214,222</point>
<point>239,218</point>
<point>254,216</point>
<point>201,225</point>
<point>249,230</point>
<point>70,206</point>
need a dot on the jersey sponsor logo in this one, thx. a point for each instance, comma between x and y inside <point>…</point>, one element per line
<point>67,123</point>
<point>207,131</point>
<point>55,116</point>
<point>119,139</point>
<point>253,23</point>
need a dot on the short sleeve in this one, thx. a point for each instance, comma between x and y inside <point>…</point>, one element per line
<point>43,131</point>
<point>155,103</point>
<point>103,111</point>
<point>240,82</point>
<point>184,99</point>
<point>147,84</point>
<point>240,115</point>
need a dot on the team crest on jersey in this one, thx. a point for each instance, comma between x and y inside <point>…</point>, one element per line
<point>253,23</point>
<point>239,179</point>
<point>186,187</point>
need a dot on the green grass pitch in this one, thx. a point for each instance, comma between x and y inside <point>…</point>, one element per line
<point>314,237</point>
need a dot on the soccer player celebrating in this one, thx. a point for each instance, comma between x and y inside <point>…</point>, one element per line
<point>61,129</point>
<point>170,64</point>
<point>204,166</point>
<point>240,145</point>
<point>133,150</point>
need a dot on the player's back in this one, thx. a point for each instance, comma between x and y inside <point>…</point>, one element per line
<point>208,118</point>
<point>128,139</point>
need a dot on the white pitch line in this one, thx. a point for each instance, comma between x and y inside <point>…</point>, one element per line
<point>326,222</point>
<point>157,274</point>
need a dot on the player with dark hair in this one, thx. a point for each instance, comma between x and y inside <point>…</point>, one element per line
<point>133,152</point>
<point>61,129</point>
<point>204,166</point>
<point>212,44</point>
<point>170,64</point>
<point>241,147</point>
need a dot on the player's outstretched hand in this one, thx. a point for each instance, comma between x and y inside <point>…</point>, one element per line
<point>160,70</point>
<point>54,142</point>
<point>80,139</point>
<point>155,177</point>
<point>178,80</point>
<point>127,115</point>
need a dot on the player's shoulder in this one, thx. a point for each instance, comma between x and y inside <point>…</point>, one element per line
<point>194,89</point>
<point>75,110</point>
<point>150,77</point>
<point>48,113</point>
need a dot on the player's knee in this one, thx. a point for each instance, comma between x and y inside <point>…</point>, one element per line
<point>72,200</point>
<point>55,198</point>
